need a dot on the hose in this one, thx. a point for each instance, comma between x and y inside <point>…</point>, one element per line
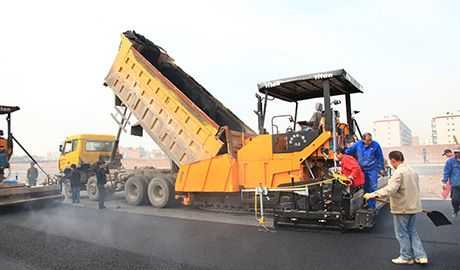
<point>342,179</point>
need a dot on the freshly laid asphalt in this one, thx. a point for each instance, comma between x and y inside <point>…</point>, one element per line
<point>66,237</point>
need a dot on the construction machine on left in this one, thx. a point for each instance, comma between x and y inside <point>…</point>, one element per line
<point>12,190</point>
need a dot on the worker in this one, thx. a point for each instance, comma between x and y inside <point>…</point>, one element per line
<point>341,129</point>
<point>315,119</point>
<point>32,175</point>
<point>3,143</point>
<point>101,180</point>
<point>350,168</point>
<point>452,176</point>
<point>447,187</point>
<point>447,153</point>
<point>75,183</point>
<point>3,164</point>
<point>404,194</point>
<point>4,156</point>
<point>63,185</point>
<point>370,156</point>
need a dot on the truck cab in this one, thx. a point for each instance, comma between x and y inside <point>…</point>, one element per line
<point>85,150</point>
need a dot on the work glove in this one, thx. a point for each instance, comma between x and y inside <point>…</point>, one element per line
<point>444,185</point>
<point>369,196</point>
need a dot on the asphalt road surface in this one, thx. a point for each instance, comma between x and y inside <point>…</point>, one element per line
<point>66,237</point>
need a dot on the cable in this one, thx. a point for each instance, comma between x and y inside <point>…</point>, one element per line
<point>259,192</point>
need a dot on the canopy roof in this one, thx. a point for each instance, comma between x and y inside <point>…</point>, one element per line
<point>310,86</point>
<point>8,109</point>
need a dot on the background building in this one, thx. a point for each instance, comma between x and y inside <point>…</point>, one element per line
<point>415,140</point>
<point>391,131</point>
<point>138,153</point>
<point>445,129</point>
<point>423,154</point>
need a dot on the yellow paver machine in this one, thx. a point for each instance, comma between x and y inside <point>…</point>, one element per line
<point>221,162</point>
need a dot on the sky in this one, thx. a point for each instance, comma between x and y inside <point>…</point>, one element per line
<point>54,56</point>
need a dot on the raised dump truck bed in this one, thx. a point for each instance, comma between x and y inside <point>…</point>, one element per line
<point>184,119</point>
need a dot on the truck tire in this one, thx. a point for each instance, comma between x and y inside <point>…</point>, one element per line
<point>91,189</point>
<point>160,192</point>
<point>135,190</point>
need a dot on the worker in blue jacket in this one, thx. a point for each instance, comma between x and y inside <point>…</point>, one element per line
<point>452,174</point>
<point>370,157</point>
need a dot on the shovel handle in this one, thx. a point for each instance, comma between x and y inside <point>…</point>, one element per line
<point>385,201</point>
<point>381,200</point>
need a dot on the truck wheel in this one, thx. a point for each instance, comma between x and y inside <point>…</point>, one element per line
<point>135,190</point>
<point>91,189</point>
<point>160,192</point>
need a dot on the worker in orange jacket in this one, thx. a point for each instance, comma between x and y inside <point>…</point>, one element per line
<point>4,155</point>
<point>350,168</point>
<point>3,143</point>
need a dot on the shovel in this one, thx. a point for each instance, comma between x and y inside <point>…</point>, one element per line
<point>438,218</point>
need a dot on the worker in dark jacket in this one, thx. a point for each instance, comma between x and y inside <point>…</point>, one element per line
<point>32,175</point>
<point>101,180</point>
<point>75,183</point>
<point>370,157</point>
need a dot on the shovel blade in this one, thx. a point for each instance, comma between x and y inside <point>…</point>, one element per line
<point>438,218</point>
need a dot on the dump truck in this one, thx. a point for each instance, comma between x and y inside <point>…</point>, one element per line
<point>84,151</point>
<point>220,162</point>
<point>12,191</point>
